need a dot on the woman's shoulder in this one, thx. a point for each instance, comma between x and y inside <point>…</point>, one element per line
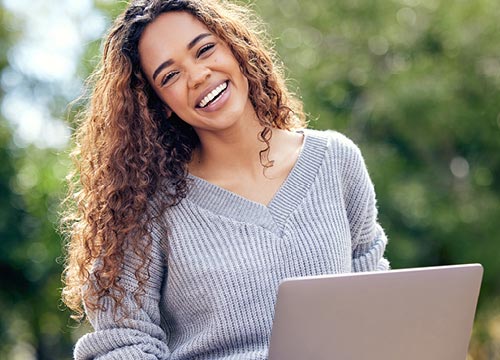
<point>337,142</point>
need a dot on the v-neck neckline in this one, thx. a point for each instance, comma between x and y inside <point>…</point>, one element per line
<point>272,216</point>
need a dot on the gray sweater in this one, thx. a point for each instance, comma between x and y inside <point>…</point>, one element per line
<point>213,296</point>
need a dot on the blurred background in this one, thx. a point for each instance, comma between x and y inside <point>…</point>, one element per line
<point>416,83</point>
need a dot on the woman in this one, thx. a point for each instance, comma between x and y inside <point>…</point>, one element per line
<point>198,190</point>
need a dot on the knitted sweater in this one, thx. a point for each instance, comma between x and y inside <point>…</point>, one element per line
<point>213,296</point>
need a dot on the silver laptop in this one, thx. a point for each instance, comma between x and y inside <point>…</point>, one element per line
<point>410,314</point>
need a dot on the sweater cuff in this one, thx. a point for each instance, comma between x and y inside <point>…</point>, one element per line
<point>369,256</point>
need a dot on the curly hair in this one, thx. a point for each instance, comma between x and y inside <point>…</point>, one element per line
<point>126,152</point>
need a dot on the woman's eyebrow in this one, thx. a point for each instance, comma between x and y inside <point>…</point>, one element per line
<point>189,46</point>
<point>193,42</point>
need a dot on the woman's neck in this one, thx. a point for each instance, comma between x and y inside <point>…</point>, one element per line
<point>239,156</point>
<point>235,149</point>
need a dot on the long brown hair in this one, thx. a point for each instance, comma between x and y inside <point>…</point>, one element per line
<point>126,152</point>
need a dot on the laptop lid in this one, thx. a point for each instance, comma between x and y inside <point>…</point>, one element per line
<point>410,314</point>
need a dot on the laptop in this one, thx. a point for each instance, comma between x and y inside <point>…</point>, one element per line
<point>409,314</point>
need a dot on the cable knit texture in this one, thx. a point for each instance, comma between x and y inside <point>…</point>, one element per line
<point>213,296</point>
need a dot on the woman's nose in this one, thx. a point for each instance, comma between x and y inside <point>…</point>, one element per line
<point>197,75</point>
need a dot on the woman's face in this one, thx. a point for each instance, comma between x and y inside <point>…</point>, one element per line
<point>194,72</point>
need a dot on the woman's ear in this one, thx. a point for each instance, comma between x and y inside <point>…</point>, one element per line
<point>168,111</point>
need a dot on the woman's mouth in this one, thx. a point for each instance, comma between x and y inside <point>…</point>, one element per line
<point>213,95</point>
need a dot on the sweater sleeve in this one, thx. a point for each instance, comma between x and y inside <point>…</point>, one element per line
<point>132,332</point>
<point>368,238</point>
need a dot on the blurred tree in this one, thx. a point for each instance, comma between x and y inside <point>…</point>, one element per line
<point>417,84</point>
<point>31,318</point>
<point>32,325</point>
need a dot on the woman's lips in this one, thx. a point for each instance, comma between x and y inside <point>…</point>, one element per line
<point>218,101</point>
<point>212,95</point>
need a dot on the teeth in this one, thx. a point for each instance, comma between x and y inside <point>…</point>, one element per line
<point>212,94</point>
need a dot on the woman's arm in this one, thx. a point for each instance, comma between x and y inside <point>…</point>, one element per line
<point>368,238</point>
<point>134,331</point>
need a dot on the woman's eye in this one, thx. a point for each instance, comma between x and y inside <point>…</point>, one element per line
<point>205,48</point>
<point>167,78</point>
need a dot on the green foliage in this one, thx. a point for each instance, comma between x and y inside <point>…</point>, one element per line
<point>32,322</point>
<point>30,188</point>
<point>417,84</point>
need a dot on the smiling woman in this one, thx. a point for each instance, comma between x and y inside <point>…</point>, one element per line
<point>198,189</point>
<point>195,74</point>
